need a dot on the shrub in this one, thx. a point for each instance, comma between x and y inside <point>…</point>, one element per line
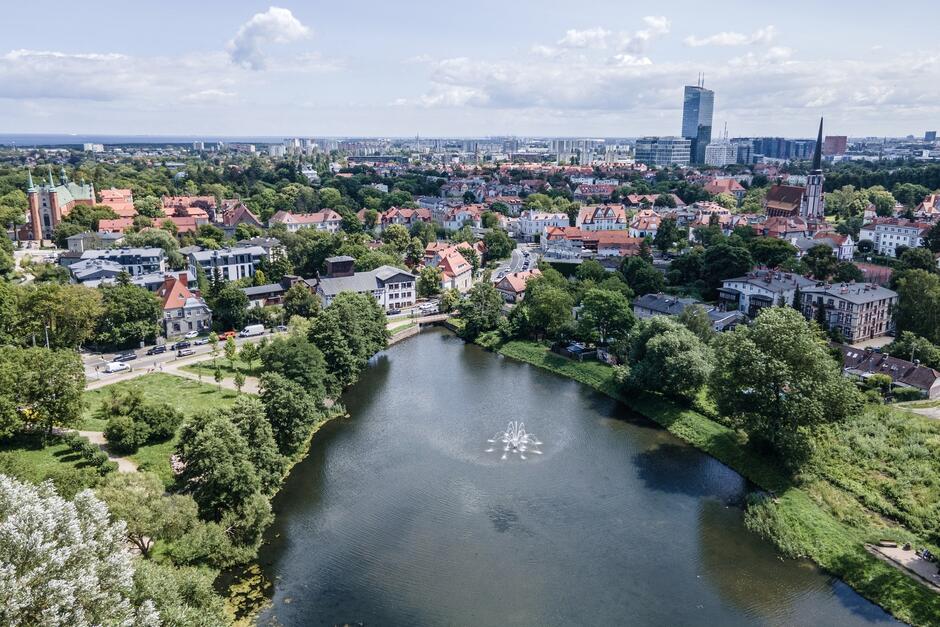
<point>107,467</point>
<point>88,450</point>
<point>125,435</point>
<point>906,394</point>
<point>161,420</point>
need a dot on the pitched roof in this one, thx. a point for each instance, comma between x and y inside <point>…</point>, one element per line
<point>173,293</point>
<point>786,197</point>
<point>516,281</point>
<point>869,362</point>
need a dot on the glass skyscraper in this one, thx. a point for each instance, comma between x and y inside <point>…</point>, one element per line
<point>697,110</point>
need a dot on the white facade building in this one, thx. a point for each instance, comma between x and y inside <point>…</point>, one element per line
<point>889,233</point>
<point>232,263</point>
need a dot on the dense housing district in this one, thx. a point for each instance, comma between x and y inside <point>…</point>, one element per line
<point>179,320</point>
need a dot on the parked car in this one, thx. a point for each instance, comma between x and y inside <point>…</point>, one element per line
<point>393,312</point>
<point>116,366</point>
<point>201,341</point>
<point>184,352</point>
<point>156,350</point>
<point>281,328</point>
<point>125,357</point>
<point>252,330</point>
<point>226,335</point>
<point>191,335</point>
<point>181,344</point>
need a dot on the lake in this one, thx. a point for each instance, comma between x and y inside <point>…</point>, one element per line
<point>401,516</point>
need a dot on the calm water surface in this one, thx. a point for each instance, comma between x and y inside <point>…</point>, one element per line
<point>399,516</point>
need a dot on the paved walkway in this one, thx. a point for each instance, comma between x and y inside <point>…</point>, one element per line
<point>97,437</point>
<point>252,384</point>
<point>909,563</point>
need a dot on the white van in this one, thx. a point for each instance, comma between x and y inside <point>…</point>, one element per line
<point>116,366</point>
<point>252,329</point>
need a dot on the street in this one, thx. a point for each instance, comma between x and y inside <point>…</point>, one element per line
<point>517,261</point>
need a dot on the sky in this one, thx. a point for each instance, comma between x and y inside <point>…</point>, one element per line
<point>546,68</point>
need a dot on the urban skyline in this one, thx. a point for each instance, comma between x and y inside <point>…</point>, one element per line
<point>255,69</point>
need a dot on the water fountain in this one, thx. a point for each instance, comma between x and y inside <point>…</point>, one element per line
<point>515,440</point>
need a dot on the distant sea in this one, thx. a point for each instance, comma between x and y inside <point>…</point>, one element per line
<point>32,140</point>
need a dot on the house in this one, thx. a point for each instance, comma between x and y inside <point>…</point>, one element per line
<point>183,224</point>
<point>94,270</point>
<point>133,261</point>
<point>182,310</point>
<point>93,241</point>
<point>611,243</point>
<point>231,264</point>
<point>645,223</point>
<point>783,227</point>
<point>601,218</point>
<point>121,201</point>
<point>842,246</point>
<point>783,200</point>
<point>272,246</point>
<point>150,281</point>
<point>867,362</point>
<point>532,224</point>
<point>273,293</point>
<point>392,288</point>
<point>725,186</point>
<point>761,288</point>
<point>116,225</point>
<point>235,213</point>
<point>325,220</point>
<point>457,217</point>
<point>660,304</point>
<point>456,271</point>
<point>564,242</point>
<point>888,233</point>
<point>513,203</point>
<point>512,286</point>
<point>640,200</point>
<point>404,216</point>
<point>585,192</point>
<point>201,208</point>
<point>860,311</point>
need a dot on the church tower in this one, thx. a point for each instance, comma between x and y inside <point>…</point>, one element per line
<point>813,206</point>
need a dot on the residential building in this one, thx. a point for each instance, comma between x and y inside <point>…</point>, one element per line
<point>456,217</point>
<point>231,264</point>
<point>697,108</point>
<point>603,192</point>
<point>202,209</point>
<point>761,288</point>
<point>116,225</point>
<point>93,241</point>
<point>273,293</point>
<point>182,310</point>
<point>649,305</point>
<point>602,218</point>
<point>325,220</point>
<point>663,151</point>
<point>860,311</point>
<point>456,271</point>
<point>121,201</point>
<point>133,261</point>
<point>725,186</point>
<point>391,287</point>
<point>49,202</point>
<point>645,223</point>
<point>235,212</point>
<point>512,286</point>
<point>864,363</point>
<point>403,216</point>
<point>531,224</point>
<point>889,233</point>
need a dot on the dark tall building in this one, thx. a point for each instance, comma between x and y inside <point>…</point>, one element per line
<point>930,136</point>
<point>697,109</point>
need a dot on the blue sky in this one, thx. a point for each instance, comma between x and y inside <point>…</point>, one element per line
<point>482,68</point>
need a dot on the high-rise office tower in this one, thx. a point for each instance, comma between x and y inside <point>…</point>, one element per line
<point>697,108</point>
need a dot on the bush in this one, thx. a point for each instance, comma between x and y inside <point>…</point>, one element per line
<point>906,394</point>
<point>161,420</point>
<point>108,467</point>
<point>126,435</point>
<point>88,450</point>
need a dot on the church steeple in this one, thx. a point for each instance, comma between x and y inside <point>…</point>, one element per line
<point>29,179</point>
<point>817,154</point>
<point>51,182</point>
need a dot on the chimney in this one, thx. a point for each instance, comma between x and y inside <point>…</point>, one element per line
<point>184,279</point>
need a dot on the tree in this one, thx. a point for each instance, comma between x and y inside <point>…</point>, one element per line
<point>183,595</point>
<point>138,499</point>
<point>65,562</point>
<point>846,272</point>
<point>498,244</point>
<point>149,206</point>
<point>239,381</point>
<point>124,435</point>
<point>69,313</point>
<point>481,310</point>
<point>771,251</point>
<point>248,415</point>
<point>429,281</point>
<point>776,381</point>
<point>916,259</point>
<point>158,238</point>
<point>821,262</point>
<point>605,315</point>
<point>883,200</point>
<point>130,315</point>
<point>918,308</point>
<point>641,276</point>
<point>230,307</point>
<point>218,377</point>
<point>665,200</point>
<point>450,300</point>
<point>696,320</point>
<point>290,411</point>
<point>724,261</point>
<point>298,359</point>
<point>300,301</point>
<point>397,237</point>
<point>726,200</point>
<point>666,235</point>
<point>913,347</point>
<point>549,307</point>
<point>591,270</point>
<point>909,194</point>
<point>249,354</point>
<point>231,351</point>
<point>45,386</point>
<point>753,201</point>
<point>667,357</point>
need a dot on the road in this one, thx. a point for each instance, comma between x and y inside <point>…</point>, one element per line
<point>517,261</point>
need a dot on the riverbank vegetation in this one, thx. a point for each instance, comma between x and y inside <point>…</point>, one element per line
<point>837,468</point>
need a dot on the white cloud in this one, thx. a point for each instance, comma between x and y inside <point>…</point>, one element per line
<point>656,25</point>
<point>274,26</point>
<point>209,96</point>
<point>588,38</point>
<point>761,36</point>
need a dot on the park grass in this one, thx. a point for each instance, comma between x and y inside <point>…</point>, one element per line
<point>155,458</point>
<point>186,395</point>
<point>207,368</point>
<point>28,458</point>
<point>402,327</point>
<point>816,518</point>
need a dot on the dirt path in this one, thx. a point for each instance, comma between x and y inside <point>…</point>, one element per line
<point>252,384</point>
<point>97,437</point>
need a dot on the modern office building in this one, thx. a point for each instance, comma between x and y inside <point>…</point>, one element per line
<point>835,145</point>
<point>721,153</point>
<point>697,108</point>
<point>663,151</point>
<point>930,136</point>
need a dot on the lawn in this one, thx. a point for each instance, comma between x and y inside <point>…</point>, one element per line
<point>207,368</point>
<point>25,458</point>
<point>185,395</point>
<point>402,327</point>
<point>875,472</point>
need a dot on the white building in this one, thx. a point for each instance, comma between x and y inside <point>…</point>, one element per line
<point>325,220</point>
<point>721,153</point>
<point>602,218</point>
<point>391,287</point>
<point>232,263</point>
<point>134,261</point>
<point>889,233</point>
<point>532,223</point>
<point>761,288</point>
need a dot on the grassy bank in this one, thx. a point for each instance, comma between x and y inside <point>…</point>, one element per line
<point>816,518</point>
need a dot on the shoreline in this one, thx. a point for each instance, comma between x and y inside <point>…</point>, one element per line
<point>834,547</point>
